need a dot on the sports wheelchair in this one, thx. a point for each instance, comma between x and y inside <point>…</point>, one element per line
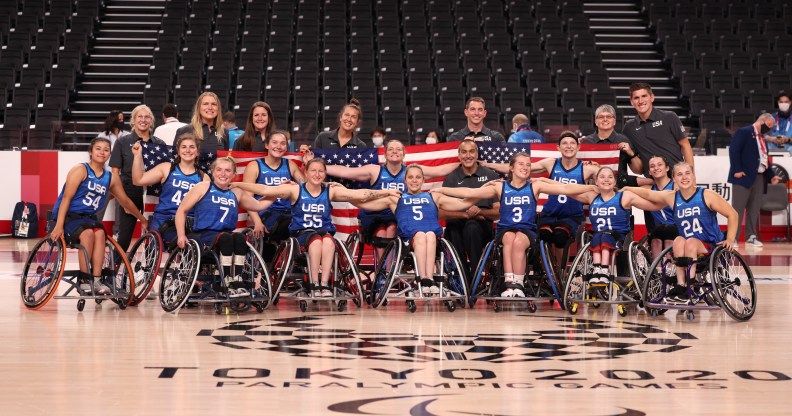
<point>395,277</point>
<point>541,282</point>
<point>45,268</point>
<point>145,258</point>
<point>292,271</point>
<point>722,280</point>
<point>195,276</point>
<point>625,290</point>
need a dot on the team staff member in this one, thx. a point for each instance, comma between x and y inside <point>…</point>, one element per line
<point>517,224</point>
<point>605,120</point>
<point>121,162</point>
<point>344,136</point>
<point>84,193</point>
<point>207,124</point>
<point>475,113</point>
<point>260,124</point>
<point>655,132</point>
<point>470,230</point>
<point>778,138</point>
<point>311,222</point>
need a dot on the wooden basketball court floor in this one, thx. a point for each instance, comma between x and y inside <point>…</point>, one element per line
<point>387,361</point>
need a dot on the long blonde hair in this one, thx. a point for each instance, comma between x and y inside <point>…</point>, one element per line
<point>197,123</point>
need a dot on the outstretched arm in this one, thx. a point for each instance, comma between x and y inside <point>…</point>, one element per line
<point>377,204</point>
<point>665,197</point>
<point>473,193</point>
<point>447,203</point>
<point>251,204</point>
<point>633,200</point>
<point>269,192</point>
<point>439,171</point>
<point>342,194</point>
<point>498,167</point>
<point>570,189</point>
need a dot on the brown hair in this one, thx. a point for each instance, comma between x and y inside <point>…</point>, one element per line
<point>354,104</point>
<point>476,99</point>
<point>250,131</point>
<point>640,86</point>
<point>513,160</point>
<point>177,160</point>
<point>315,160</point>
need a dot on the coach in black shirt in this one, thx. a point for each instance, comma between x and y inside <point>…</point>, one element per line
<point>475,113</point>
<point>471,230</point>
<point>655,132</point>
<point>344,136</point>
<point>207,124</point>
<point>605,120</point>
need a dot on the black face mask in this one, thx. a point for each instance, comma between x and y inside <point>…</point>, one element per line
<point>764,129</point>
<point>118,125</point>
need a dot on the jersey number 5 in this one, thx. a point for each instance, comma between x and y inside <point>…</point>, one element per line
<point>418,214</point>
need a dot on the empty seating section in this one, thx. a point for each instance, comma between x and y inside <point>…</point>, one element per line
<point>412,64</point>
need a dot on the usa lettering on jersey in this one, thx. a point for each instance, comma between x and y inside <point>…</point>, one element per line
<point>273,181</point>
<point>309,207</point>
<point>415,201</point>
<point>603,211</point>
<point>517,200</point>
<point>688,212</point>
<point>97,187</point>
<point>223,201</point>
<point>182,184</point>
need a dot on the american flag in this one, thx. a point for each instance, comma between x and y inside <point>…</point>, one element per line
<point>345,214</point>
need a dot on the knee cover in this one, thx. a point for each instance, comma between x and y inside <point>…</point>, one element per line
<point>683,261</point>
<point>546,235</point>
<point>225,244</point>
<point>240,244</point>
<point>560,237</point>
<point>380,242</point>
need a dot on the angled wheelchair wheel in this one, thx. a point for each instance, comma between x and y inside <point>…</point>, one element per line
<point>639,262</point>
<point>144,257</point>
<point>551,270</point>
<point>655,281</point>
<point>347,273</point>
<point>483,274</point>
<point>354,245</point>
<point>42,273</point>
<point>733,284</point>
<point>575,287</point>
<point>117,269</point>
<point>454,272</point>
<point>386,271</point>
<point>281,265</point>
<point>256,270</point>
<point>179,275</point>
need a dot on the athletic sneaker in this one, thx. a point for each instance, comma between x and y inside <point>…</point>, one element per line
<point>317,293</point>
<point>508,293</point>
<point>517,293</point>
<point>599,279</point>
<point>433,290</point>
<point>100,288</point>
<point>327,293</point>
<point>85,288</point>
<point>677,295</point>
<point>753,242</point>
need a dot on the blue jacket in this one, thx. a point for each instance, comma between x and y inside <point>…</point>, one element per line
<point>524,134</point>
<point>744,157</point>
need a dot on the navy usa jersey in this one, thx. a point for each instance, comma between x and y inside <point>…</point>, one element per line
<point>609,215</point>
<point>312,212</point>
<point>91,194</point>
<point>694,219</point>
<point>664,216</point>
<point>563,205</point>
<point>274,177</point>
<point>217,210</point>
<point>173,190</point>
<point>517,208</point>
<point>416,213</point>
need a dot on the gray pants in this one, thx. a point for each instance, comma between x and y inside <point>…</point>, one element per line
<point>749,200</point>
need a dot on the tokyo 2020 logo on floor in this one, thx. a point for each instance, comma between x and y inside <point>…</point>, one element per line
<point>549,338</point>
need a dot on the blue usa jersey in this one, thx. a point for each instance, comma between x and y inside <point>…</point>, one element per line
<point>517,208</point>
<point>694,219</point>
<point>386,180</point>
<point>609,215</point>
<point>562,205</point>
<point>91,194</point>
<point>217,210</point>
<point>312,212</point>
<point>416,213</point>
<point>173,190</point>
<point>274,177</point>
<point>666,215</point>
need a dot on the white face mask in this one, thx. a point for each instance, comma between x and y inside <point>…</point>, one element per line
<point>431,140</point>
<point>377,140</point>
<point>783,107</point>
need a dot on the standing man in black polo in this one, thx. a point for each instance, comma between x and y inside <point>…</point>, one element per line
<point>471,230</point>
<point>655,132</point>
<point>475,113</point>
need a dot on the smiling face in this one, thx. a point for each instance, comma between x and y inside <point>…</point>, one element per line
<point>642,101</point>
<point>520,167</point>
<point>475,113</point>
<point>349,119</point>
<point>658,168</point>
<point>395,152</point>
<point>605,121</point>
<point>605,180</point>
<point>260,119</point>
<point>208,109</point>
<point>468,154</point>
<point>684,177</point>
<point>568,146</point>
<point>414,179</point>
<point>188,150</point>
<point>277,145</point>
<point>316,172</point>
<point>142,120</point>
<point>100,152</point>
<point>223,172</point>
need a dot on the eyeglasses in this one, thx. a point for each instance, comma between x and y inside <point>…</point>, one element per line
<point>605,117</point>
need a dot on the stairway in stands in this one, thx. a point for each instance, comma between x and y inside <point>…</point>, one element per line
<point>630,54</point>
<point>117,67</point>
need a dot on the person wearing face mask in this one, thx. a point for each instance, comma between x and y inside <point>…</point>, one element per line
<point>113,128</point>
<point>432,137</point>
<point>780,136</point>
<point>749,172</point>
<point>522,131</point>
<point>378,137</point>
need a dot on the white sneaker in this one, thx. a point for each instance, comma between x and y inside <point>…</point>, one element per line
<point>327,293</point>
<point>508,293</point>
<point>238,293</point>
<point>317,293</point>
<point>753,242</point>
<point>433,290</point>
<point>517,293</point>
<point>85,288</point>
<point>100,288</point>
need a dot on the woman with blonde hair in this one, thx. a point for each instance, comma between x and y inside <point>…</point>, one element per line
<point>207,123</point>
